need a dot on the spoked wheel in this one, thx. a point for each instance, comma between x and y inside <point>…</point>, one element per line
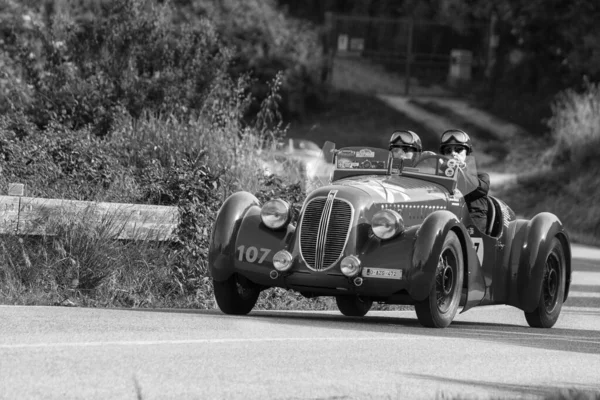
<point>553,289</point>
<point>439,309</point>
<point>236,295</point>
<point>354,306</point>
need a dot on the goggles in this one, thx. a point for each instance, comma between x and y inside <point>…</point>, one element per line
<point>403,148</point>
<point>457,136</point>
<point>400,138</point>
<point>453,149</point>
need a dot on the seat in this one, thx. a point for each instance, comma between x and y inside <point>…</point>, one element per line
<point>491,216</point>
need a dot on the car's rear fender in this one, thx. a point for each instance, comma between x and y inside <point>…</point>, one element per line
<point>429,240</point>
<point>225,230</point>
<point>529,254</point>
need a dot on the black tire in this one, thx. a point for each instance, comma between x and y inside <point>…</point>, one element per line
<point>236,295</point>
<point>440,307</point>
<point>353,306</point>
<point>553,289</point>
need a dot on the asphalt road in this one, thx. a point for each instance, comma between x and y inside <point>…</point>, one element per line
<point>488,352</point>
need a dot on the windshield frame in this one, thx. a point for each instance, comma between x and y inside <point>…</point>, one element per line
<point>463,178</point>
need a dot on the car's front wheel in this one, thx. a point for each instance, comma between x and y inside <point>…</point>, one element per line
<point>236,295</point>
<point>438,310</point>
<point>553,289</point>
<point>354,306</point>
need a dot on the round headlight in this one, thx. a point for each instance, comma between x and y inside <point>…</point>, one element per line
<point>350,266</point>
<point>275,213</point>
<point>386,224</point>
<point>282,260</point>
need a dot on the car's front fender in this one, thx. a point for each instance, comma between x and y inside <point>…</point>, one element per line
<point>222,240</point>
<point>428,246</point>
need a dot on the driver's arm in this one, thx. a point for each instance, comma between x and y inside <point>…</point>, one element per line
<point>482,187</point>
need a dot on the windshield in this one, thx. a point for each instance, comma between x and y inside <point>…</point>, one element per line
<point>465,173</point>
<point>374,160</point>
<point>362,158</point>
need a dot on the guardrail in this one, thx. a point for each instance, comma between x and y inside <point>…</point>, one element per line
<point>40,216</point>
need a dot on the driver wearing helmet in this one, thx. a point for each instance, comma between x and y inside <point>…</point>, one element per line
<point>406,146</point>
<point>457,144</point>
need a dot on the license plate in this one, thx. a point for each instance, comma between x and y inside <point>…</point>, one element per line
<point>382,273</point>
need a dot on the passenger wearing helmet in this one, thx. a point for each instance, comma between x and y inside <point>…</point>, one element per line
<point>406,146</point>
<point>457,144</point>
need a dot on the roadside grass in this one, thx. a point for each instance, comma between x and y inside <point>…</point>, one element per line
<point>79,266</point>
<point>557,172</point>
<point>566,177</point>
<point>87,267</point>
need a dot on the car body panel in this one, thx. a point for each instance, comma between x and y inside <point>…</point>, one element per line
<point>503,267</point>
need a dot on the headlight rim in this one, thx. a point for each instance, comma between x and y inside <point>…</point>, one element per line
<point>289,260</point>
<point>399,227</point>
<point>354,258</point>
<point>287,219</point>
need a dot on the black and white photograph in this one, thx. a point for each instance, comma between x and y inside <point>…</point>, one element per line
<point>300,199</point>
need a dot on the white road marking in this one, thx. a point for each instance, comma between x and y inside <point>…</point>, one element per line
<point>584,294</point>
<point>575,310</point>
<point>585,252</point>
<point>391,337</point>
<point>199,341</point>
<point>586,278</point>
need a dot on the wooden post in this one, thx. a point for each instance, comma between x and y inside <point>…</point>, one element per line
<point>408,57</point>
<point>329,47</point>
<point>492,45</point>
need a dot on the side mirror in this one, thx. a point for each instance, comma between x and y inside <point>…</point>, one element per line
<point>328,152</point>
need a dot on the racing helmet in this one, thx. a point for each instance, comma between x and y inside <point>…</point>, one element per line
<point>453,137</point>
<point>406,139</point>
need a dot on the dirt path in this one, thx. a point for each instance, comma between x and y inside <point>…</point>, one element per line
<point>523,151</point>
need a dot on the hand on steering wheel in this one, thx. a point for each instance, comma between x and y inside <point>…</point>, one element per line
<point>454,163</point>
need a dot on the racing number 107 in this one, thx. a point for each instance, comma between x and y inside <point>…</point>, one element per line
<point>251,254</point>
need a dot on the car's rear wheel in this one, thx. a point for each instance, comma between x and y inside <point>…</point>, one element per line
<point>237,295</point>
<point>553,289</point>
<point>354,306</point>
<point>439,309</point>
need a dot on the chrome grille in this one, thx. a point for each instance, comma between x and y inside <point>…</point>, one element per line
<point>324,231</point>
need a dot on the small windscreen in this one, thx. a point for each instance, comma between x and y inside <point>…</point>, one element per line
<point>362,158</point>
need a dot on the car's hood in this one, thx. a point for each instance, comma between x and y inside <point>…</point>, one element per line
<point>394,189</point>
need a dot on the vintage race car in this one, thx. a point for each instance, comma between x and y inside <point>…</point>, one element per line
<point>383,232</point>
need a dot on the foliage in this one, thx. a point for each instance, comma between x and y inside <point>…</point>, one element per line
<point>83,266</point>
<point>562,35</point>
<point>192,164</point>
<point>267,42</point>
<point>569,172</point>
<point>556,33</point>
<point>60,162</point>
<point>575,127</point>
<point>83,67</point>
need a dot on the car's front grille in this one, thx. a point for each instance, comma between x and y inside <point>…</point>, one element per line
<point>324,231</point>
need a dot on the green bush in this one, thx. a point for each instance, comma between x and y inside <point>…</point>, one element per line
<point>62,163</point>
<point>568,183</point>
<point>191,164</point>
<point>82,68</point>
<point>124,102</point>
<point>575,126</point>
<point>267,42</point>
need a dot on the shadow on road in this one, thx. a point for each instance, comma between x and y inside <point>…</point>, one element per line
<point>583,341</point>
<point>547,392</point>
<point>571,340</point>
